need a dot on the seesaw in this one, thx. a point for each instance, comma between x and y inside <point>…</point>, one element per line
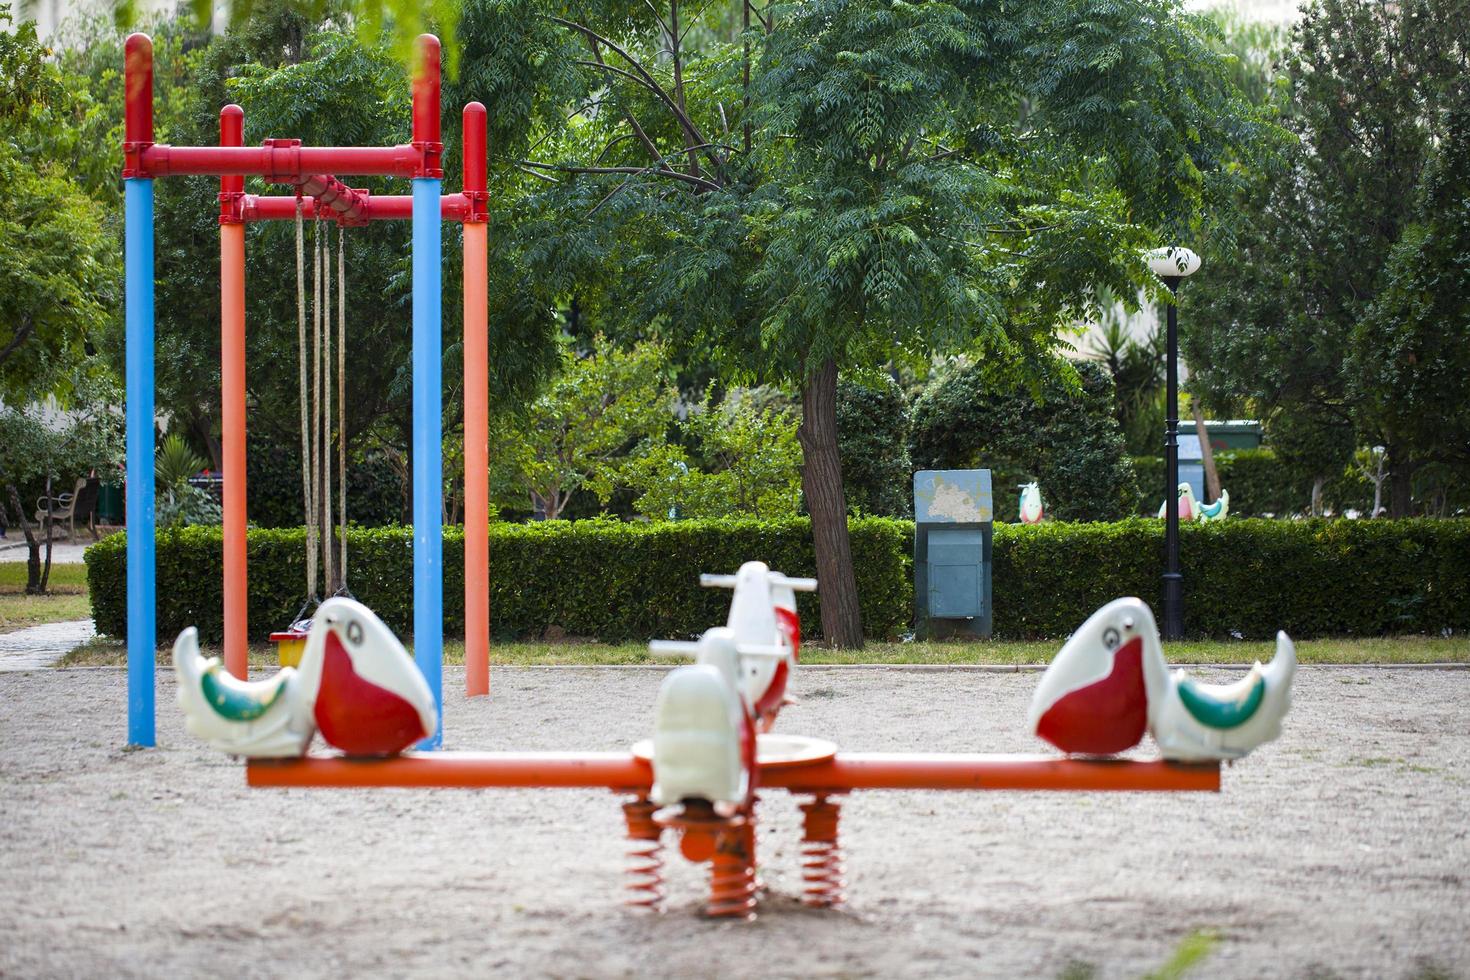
<point>699,779</point>
<point>728,844</point>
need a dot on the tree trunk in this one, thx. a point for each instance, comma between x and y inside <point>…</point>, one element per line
<point>1400,484</point>
<point>1317,484</point>
<point>203,428</point>
<point>33,547</point>
<point>821,481</point>
<point>1212,475</point>
<point>50,526</point>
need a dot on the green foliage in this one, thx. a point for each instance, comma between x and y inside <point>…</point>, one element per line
<point>1064,436</point>
<point>174,462</point>
<point>1241,577</point>
<point>748,464</point>
<point>296,73</point>
<point>603,579</point>
<point>1409,359</point>
<point>187,505</point>
<point>596,408</point>
<point>58,269</point>
<point>1138,370</point>
<point>177,503</point>
<point>376,494</point>
<point>873,440</point>
<point>850,182</point>
<point>40,457</point>
<point>395,23</point>
<point>33,449</point>
<point>1320,304</point>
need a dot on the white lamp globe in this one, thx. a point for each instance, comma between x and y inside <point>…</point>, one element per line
<point>1174,262</point>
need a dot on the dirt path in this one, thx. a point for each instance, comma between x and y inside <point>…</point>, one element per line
<point>1342,850</point>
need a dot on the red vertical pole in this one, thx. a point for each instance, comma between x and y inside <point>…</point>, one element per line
<point>137,102</point>
<point>476,409</point>
<point>232,385</point>
<point>426,138</point>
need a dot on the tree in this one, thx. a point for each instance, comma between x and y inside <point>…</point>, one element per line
<point>790,193</point>
<point>599,406</point>
<point>1288,316</point>
<point>1067,438</point>
<point>58,268</point>
<point>747,464</point>
<point>35,452</point>
<point>1408,363</point>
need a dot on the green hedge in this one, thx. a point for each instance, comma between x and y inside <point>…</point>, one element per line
<point>603,579</point>
<point>1241,577</point>
<point>622,581</point>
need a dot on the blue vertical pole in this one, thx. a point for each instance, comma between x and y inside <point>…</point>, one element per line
<point>428,469</point>
<point>138,320</point>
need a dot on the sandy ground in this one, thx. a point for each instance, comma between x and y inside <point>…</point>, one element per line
<point>1342,850</point>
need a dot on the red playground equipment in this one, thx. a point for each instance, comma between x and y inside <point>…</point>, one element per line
<point>313,175</point>
<point>700,778</point>
<point>729,844</point>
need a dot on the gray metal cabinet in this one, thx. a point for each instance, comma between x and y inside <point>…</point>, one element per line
<point>953,523</point>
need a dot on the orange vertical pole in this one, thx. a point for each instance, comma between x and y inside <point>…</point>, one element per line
<point>232,386</point>
<point>476,409</point>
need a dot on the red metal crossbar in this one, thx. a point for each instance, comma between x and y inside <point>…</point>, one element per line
<point>374,207</point>
<point>845,772</point>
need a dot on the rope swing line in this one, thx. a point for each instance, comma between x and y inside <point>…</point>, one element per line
<point>324,441</point>
<point>315,378</point>
<point>314,449</point>
<point>342,399</point>
<point>311,593</point>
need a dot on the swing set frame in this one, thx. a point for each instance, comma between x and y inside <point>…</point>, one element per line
<point>314,172</point>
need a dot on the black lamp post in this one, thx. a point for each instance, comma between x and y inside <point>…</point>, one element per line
<point>1172,265</point>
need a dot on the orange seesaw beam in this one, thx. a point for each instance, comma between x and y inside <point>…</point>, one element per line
<point>623,771</point>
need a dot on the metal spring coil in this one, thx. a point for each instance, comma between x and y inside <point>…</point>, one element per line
<point>821,855</point>
<point>644,856</point>
<point>732,878</point>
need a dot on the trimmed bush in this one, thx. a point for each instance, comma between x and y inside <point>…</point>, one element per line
<point>1241,577</point>
<point>636,581</point>
<point>605,579</point>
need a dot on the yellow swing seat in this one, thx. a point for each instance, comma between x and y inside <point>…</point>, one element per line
<point>290,644</point>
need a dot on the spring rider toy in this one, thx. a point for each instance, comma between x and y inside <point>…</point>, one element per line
<point>1190,509</point>
<point>1032,511</point>
<point>356,684</point>
<point>1110,683</point>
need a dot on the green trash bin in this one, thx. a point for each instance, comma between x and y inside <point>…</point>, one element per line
<point>110,504</point>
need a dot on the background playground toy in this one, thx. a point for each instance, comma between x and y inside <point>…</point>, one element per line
<point>314,172</point>
<point>356,684</point>
<point>1110,683</point>
<point>1031,510</point>
<point>1190,509</point>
